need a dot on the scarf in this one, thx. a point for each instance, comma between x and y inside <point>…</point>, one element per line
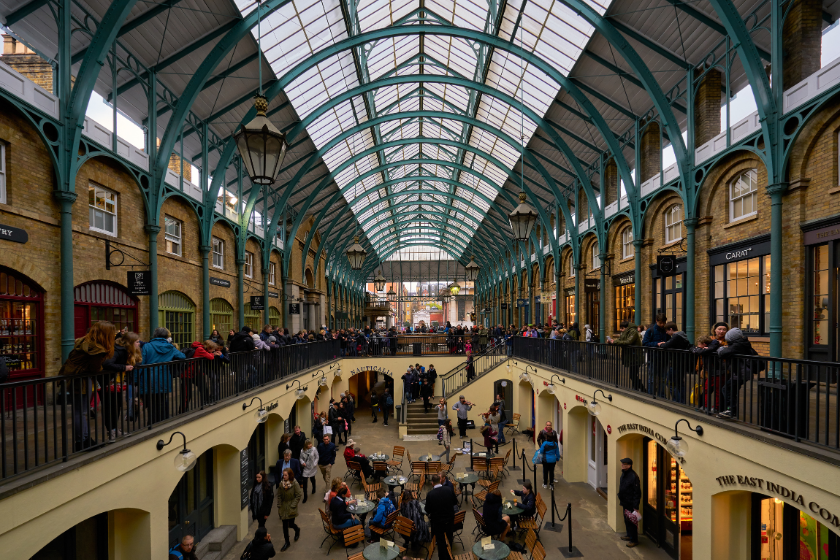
<point>258,496</point>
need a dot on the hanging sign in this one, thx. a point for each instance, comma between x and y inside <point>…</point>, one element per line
<point>273,295</point>
<point>590,285</point>
<point>504,307</point>
<point>244,479</point>
<point>666,265</point>
<point>219,282</point>
<point>522,302</point>
<point>17,235</point>
<point>257,303</point>
<point>139,282</point>
<point>294,309</point>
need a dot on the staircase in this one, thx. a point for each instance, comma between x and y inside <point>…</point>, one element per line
<point>420,422</point>
<point>217,543</point>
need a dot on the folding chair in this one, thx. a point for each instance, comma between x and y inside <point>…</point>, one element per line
<point>380,469</point>
<point>389,522</point>
<point>447,467</point>
<point>513,427</point>
<point>418,469</point>
<point>460,518</point>
<point>416,487</point>
<point>393,463</point>
<point>463,556</point>
<point>483,494</point>
<point>433,467</point>
<point>507,458</point>
<point>332,533</point>
<point>496,468</point>
<point>480,464</point>
<point>431,551</point>
<point>353,535</point>
<point>405,527</point>
<point>534,523</point>
<point>354,469</point>
<point>480,525</point>
<point>370,489</point>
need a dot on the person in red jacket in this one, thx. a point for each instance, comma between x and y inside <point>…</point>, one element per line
<point>349,454</point>
<point>202,375</point>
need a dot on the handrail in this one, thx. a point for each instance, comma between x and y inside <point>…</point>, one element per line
<point>482,363</point>
<point>789,397</point>
<point>48,420</point>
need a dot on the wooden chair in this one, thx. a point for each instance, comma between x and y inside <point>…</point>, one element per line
<point>380,469</point>
<point>416,487</point>
<point>418,468</point>
<point>507,458</point>
<point>534,523</point>
<point>530,540</point>
<point>433,467</point>
<point>353,535</point>
<point>480,464</point>
<point>447,467</point>
<point>480,526</point>
<point>332,533</point>
<point>539,552</point>
<point>370,489</point>
<point>513,427</point>
<point>389,522</point>
<point>496,468</point>
<point>483,494</point>
<point>405,527</point>
<point>354,469</point>
<point>431,551</point>
<point>460,518</point>
<point>395,464</point>
<point>463,556</point>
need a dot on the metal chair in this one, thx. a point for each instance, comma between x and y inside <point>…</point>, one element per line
<point>416,487</point>
<point>332,532</point>
<point>483,494</point>
<point>462,556</point>
<point>393,463</point>
<point>447,467</point>
<point>380,469</point>
<point>405,527</point>
<point>389,525</point>
<point>534,523</point>
<point>513,427</point>
<point>370,489</point>
<point>353,535</point>
<point>496,467</point>
<point>460,518</point>
<point>354,469</point>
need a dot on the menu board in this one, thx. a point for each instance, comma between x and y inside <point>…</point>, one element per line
<point>244,479</point>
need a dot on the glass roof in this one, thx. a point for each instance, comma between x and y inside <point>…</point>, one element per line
<point>302,27</point>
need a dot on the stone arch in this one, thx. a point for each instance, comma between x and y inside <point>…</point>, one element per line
<point>614,236</point>
<point>42,131</point>
<point>713,196</point>
<point>654,215</point>
<point>811,138</point>
<point>308,278</point>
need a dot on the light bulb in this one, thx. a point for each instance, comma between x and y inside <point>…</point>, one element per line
<point>550,388</point>
<point>185,460</point>
<point>677,446</point>
<point>322,381</point>
<point>300,393</point>
<point>261,415</point>
<point>594,408</point>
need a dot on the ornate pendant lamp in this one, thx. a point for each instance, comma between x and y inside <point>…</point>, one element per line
<point>356,254</point>
<point>472,270</point>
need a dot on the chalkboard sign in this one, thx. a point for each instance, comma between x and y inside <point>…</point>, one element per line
<point>244,479</point>
<point>257,303</point>
<point>294,309</point>
<point>139,282</point>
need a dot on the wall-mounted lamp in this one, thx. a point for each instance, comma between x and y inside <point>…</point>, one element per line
<point>551,383</point>
<point>261,415</point>
<point>300,392</point>
<point>595,408</point>
<point>185,460</point>
<point>337,372</point>
<point>677,446</point>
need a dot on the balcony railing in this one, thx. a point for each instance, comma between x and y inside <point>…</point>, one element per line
<point>49,420</point>
<point>414,344</point>
<point>794,398</point>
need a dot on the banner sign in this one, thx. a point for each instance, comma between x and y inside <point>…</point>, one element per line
<point>139,282</point>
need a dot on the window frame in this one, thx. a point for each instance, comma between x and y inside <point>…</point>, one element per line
<point>220,254</point>
<point>668,213</point>
<point>763,298</point>
<point>271,273</point>
<point>571,267</point>
<point>169,238</point>
<point>625,244</point>
<point>94,186</point>
<point>595,257</point>
<point>753,193</point>
<point>249,264</point>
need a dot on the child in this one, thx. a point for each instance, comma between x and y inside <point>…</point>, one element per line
<point>468,347</point>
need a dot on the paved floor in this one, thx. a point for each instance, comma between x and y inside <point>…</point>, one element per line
<point>591,534</point>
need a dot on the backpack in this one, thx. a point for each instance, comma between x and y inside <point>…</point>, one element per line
<point>389,401</point>
<point>594,338</point>
<point>422,369</point>
<point>189,353</point>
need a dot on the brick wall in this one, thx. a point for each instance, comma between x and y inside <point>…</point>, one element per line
<point>650,152</point>
<point>801,41</point>
<point>707,100</point>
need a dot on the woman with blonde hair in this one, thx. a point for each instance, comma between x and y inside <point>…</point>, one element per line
<point>85,361</point>
<point>126,355</point>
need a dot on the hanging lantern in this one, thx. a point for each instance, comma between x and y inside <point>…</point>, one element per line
<point>472,270</point>
<point>445,295</point>
<point>454,288</point>
<point>522,219</point>
<point>261,146</point>
<point>392,295</point>
<point>356,254</point>
<point>379,282</point>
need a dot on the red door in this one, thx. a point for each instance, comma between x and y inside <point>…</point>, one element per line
<point>81,320</point>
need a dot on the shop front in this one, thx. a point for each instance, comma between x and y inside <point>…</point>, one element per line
<point>780,531</point>
<point>822,258</point>
<point>592,293</point>
<point>571,310</point>
<point>21,332</point>
<point>667,501</point>
<point>103,301</point>
<point>624,288</point>
<point>668,295</point>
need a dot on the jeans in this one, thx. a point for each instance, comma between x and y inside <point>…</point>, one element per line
<point>445,454</point>
<point>289,524</point>
<point>81,405</point>
<point>349,523</point>
<point>501,435</point>
<point>729,394</point>
<point>441,423</point>
<point>548,473</point>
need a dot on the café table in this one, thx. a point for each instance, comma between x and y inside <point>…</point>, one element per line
<point>429,457</point>
<point>377,552</point>
<point>383,457</point>
<point>468,478</point>
<point>512,509</point>
<point>500,551</point>
<point>362,508</point>
<point>395,481</point>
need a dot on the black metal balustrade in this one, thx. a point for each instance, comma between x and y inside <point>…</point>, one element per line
<point>793,398</point>
<point>415,345</point>
<point>44,421</point>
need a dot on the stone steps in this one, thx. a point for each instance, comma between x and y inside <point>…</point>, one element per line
<point>217,543</point>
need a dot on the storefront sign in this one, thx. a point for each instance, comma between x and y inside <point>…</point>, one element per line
<point>244,479</point>
<point>522,302</point>
<point>139,282</point>
<point>257,303</point>
<point>221,282</point>
<point>273,295</point>
<point>626,278</point>
<point>646,430</point>
<point>768,487</point>
<point>294,309</point>
<point>378,369</point>
<point>591,285</point>
<point>9,233</point>
<point>666,265</point>
<point>747,249</point>
<point>537,299</point>
<point>504,307</point>
<point>818,235</point>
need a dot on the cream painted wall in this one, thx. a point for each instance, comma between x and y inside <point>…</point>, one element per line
<point>393,366</point>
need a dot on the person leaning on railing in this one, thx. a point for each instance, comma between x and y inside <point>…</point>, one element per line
<point>156,382</point>
<point>631,357</point>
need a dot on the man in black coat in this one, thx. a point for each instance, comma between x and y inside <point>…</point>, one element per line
<point>629,496</point>
<point>296,442</point>
<point>242,341</point>
<point>364,462</point>
<point>287,462</point>
<point>333,420</point>
<point>441,504</point>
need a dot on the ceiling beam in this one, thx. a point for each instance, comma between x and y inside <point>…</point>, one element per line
<point>709,22</point>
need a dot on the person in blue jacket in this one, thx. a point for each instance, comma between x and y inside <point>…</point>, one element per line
<point>383,510</point>
<point>655,337</point>
<point>156,382</point>
<point>550,452</point>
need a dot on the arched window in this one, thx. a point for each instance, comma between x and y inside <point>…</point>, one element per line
<point>176,312</point>
<point>221,316</point>
<point>743,195</point>
<point>21,327</point>
<point>252,318</point>
<point>673,223</point>
<point>103,301</point>
<point>274,316</point>
<point>596,257</point>
<point>627,248</point>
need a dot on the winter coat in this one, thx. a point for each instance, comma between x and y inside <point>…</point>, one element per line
<point>654,335</point>
<point>260,550</point>
<point>158,379</point>
<point>115,365</point>
<point>263,508</point>
<point>86,358</point>
<point>288,500</point>
<point>310,457</point>
<point>629,490</point>
<point>242,342</point>
<point>296,444</point>
<point>218,340</point>
<point>678,342</point>
<point>739,345</point>
<point>482,336</point>
<point>550,451</point>
<point>630,357</point>
<point>421,528</point>
<point>489,437</point>
<point>493,514</point>
<point>383,509</point>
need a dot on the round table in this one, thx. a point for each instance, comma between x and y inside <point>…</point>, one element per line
<point>362,508</point>
<point>512,510</point>
<point>483,454</point>
<point>384,457</point>
<point>430,457</point>
<point>395,481</point>
<point>469,478</point>
<point>376,552</point>
<point>499,552</point>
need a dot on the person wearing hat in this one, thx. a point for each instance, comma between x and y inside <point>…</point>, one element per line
<point>629,496</point>
<point>349,453</point>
